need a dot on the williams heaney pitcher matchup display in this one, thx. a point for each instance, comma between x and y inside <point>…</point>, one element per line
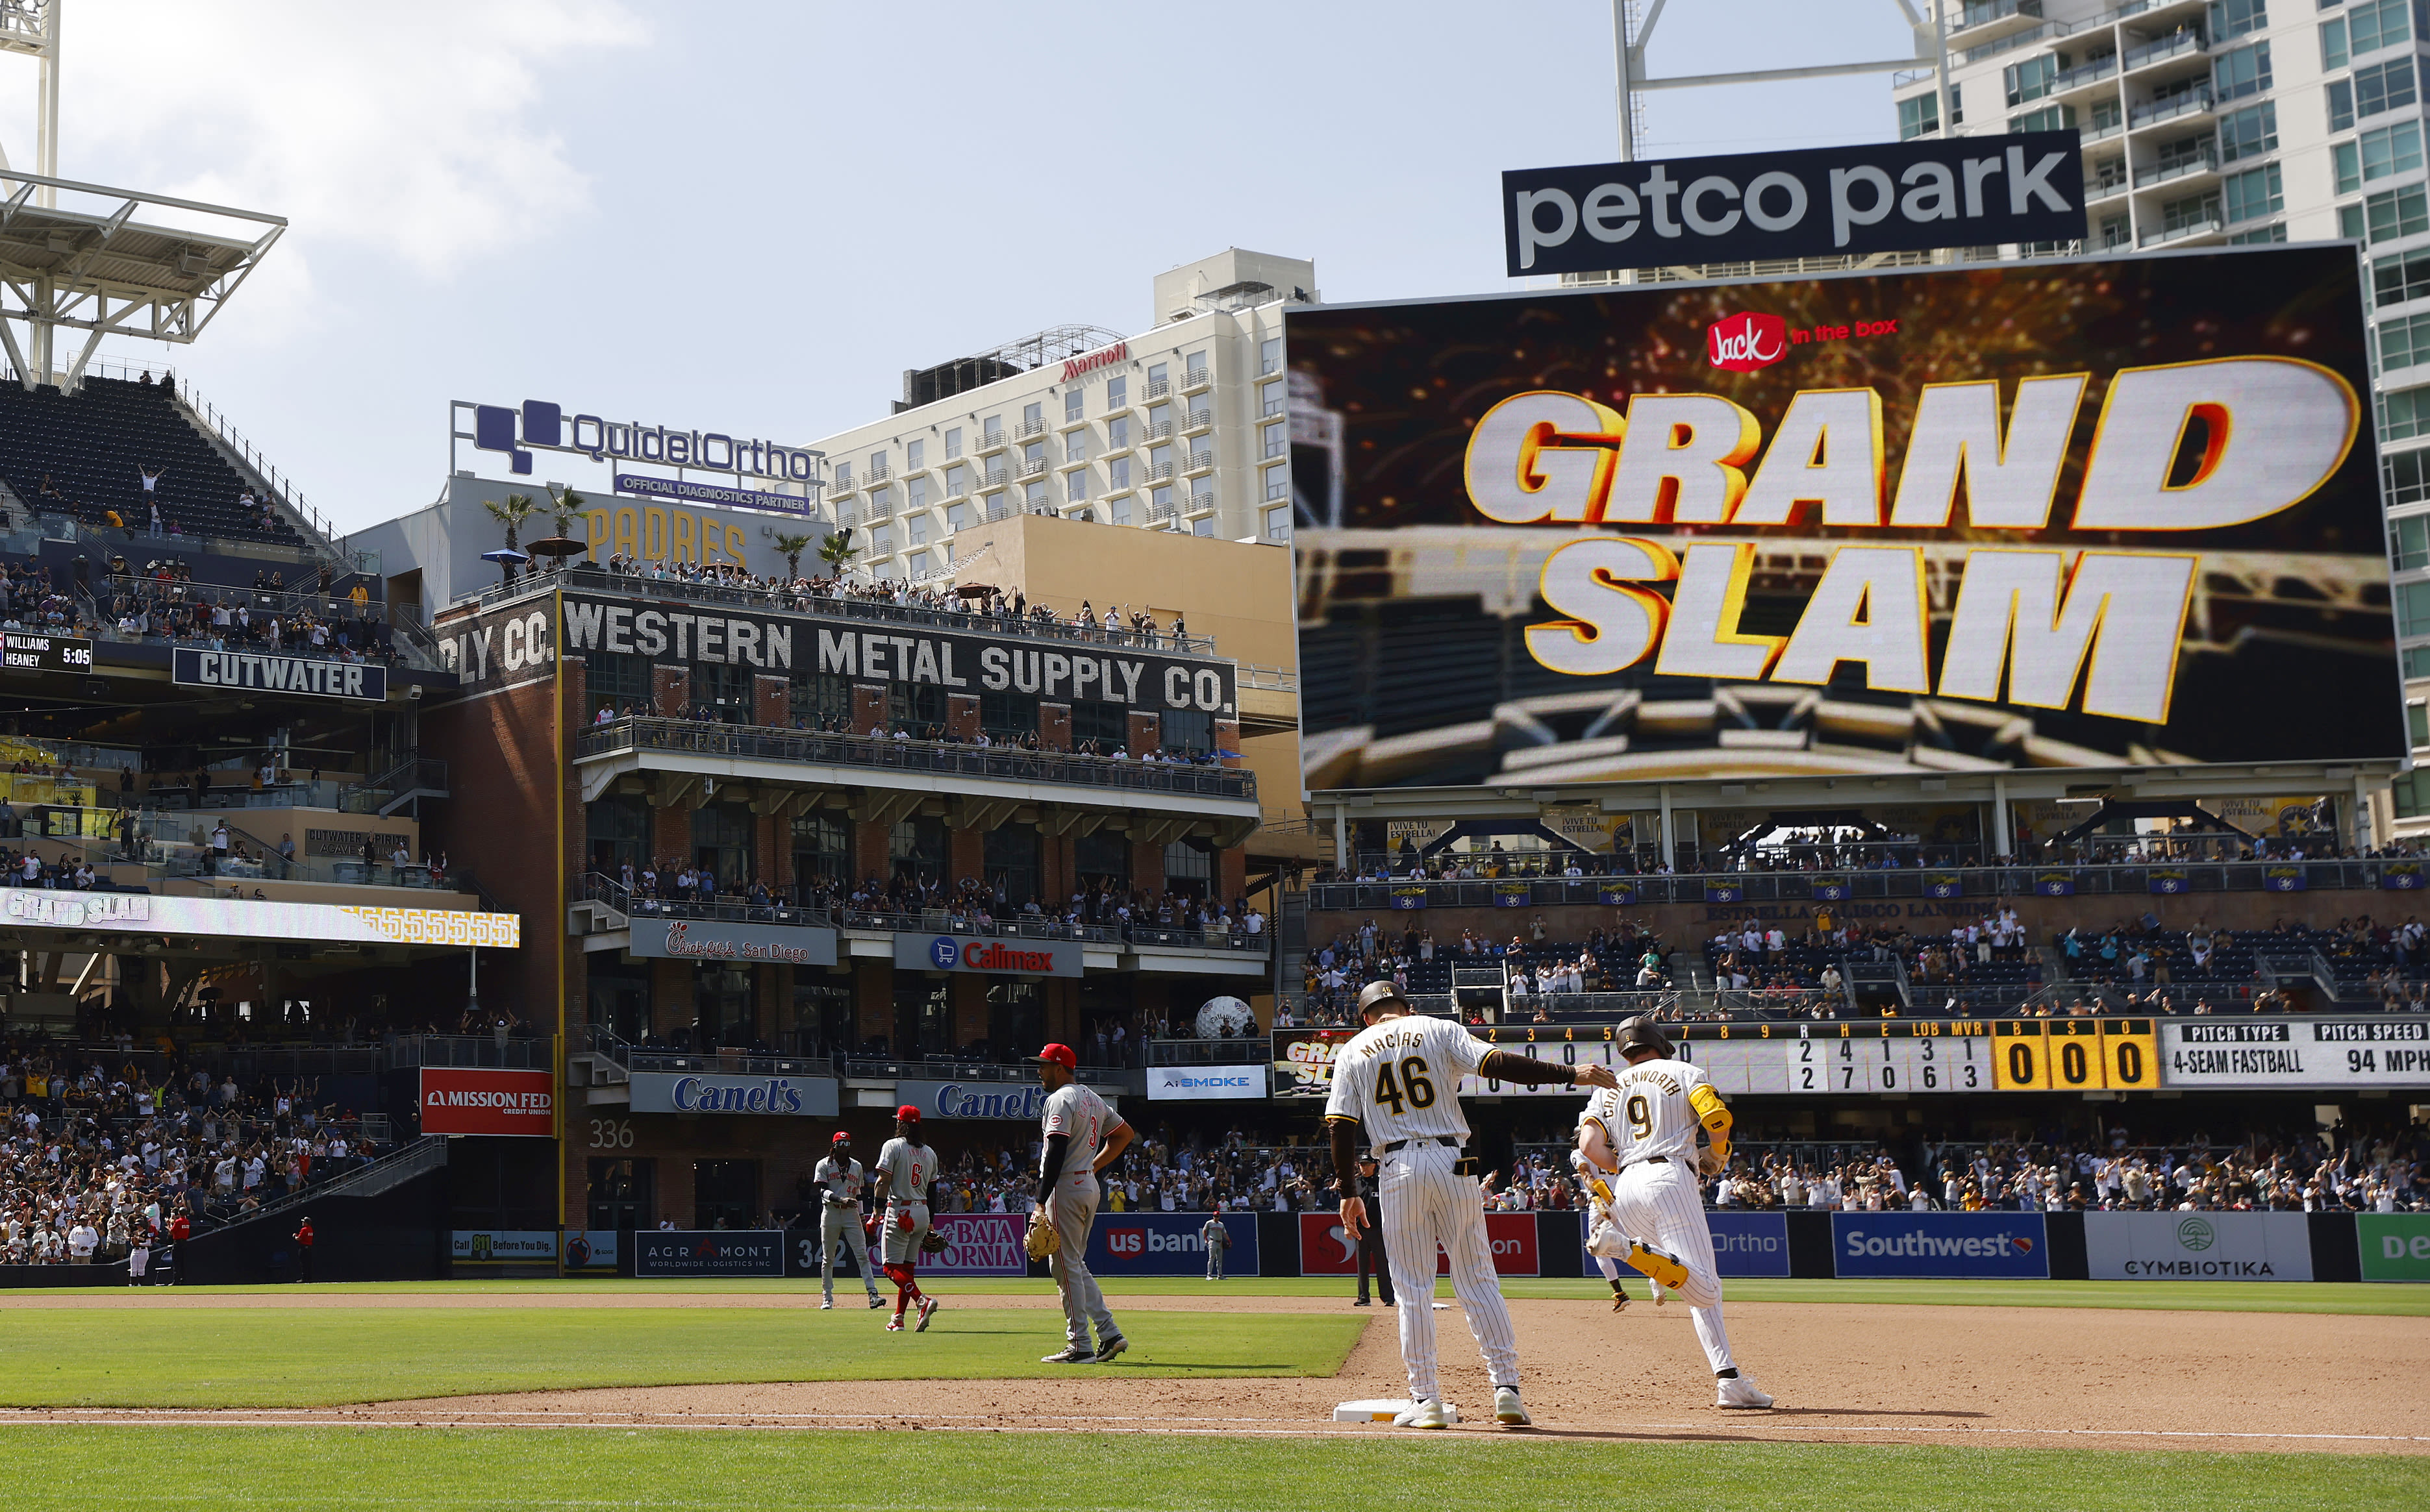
<point>1731,822</point>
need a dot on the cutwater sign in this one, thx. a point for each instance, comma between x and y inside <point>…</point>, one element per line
<point>656,1091</point>
<point>255,673</point>
<point>985,956</point>
<point>1940,1244</point>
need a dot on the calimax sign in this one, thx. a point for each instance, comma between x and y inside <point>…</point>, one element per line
<point>986,956</point>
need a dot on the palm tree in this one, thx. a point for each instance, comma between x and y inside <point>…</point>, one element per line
<point>565,507</point>
<point>793,546</point>
<point>837,551</point>
<point>512,514</point>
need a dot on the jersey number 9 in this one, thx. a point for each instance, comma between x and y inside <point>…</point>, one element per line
<point>1413,1086</point>
<point>1640,1116</point>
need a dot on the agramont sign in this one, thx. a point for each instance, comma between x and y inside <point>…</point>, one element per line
<point>984,956</point>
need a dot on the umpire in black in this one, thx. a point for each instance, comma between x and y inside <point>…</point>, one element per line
<point>1371,1240</point>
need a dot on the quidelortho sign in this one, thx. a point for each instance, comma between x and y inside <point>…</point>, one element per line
<point>500,649</point>
<point>2295,1052</point>
<point>1744,1244</point>
<point>985,956</point>
<point>2395,1246</point>
<point>1823,202</point>
<point>711,939</point>
<point>1173,1084</point>
<point>253,672</point>
<point>659,1091</point>
<point>547,427</point>
<point>1940,1244</point>
<point>2178,1246</point>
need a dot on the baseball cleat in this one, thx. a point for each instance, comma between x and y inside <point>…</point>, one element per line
<point>1667,1270</point>
<point>1072,1354</point>
<point>1620,1302</point>
<point>1506,1408</point>
<point>1426,1414</point>
<point>875,1301</point>
<point>827,1305</point>
<point>928,1310</point>
<point>1740,1391</point>
<point>894,1324</point>
<point>1107,1348</point>
<point>1661,1296</point>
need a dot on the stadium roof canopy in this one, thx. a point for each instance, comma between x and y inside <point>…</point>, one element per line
<point>114,261</point>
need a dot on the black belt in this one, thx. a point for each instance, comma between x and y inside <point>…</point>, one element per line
<point>1649,1160</point>
<point>1443,1139</point>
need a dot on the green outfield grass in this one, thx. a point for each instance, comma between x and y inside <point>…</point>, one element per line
<point>2198,1296</point>
<point>291,1357</point>
<point>429,1470</point>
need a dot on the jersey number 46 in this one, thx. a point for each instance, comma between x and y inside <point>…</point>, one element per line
<point>1413,1084</point>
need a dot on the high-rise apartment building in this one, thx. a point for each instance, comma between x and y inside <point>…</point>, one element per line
<point>2209,123</point>
<point>1182,427</point>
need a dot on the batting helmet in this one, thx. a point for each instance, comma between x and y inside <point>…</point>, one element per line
<point>1643,1032</point>
<point>1375,994</point>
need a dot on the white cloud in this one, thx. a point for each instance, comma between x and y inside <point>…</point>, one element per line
<point>413,132</point>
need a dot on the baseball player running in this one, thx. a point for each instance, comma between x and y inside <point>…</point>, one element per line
<point>1217,1238</point>
<point>1643,1134</point>
<point>1400,1077</point>
<point>904,1168</point>
<point>1083,1138</point>
<point>838,1180</point>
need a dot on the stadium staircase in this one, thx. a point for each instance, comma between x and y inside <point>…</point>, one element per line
<point>389,1171</point>
<point>255,470</point>
<point>1291,942</point>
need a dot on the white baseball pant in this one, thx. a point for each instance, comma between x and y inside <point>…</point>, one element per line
<point>1072,1210</point>
<point>840,1224</point>
<point>1659,1205</point>
<point>1428,1203</point>
<point>898,1243</point>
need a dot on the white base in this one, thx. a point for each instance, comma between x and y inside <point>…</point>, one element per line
<point>1382,1409</point>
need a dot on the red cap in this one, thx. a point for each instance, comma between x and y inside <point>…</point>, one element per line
<point>1057,1056</point>
<point>841,1138</point>
<point>906,1114</point>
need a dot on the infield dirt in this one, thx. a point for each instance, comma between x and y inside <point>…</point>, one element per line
<point>1979,1377</point>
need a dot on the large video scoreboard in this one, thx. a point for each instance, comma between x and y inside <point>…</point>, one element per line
<point>1931,1057</point>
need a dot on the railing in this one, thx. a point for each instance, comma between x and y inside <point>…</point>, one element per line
<point>595,887</point>
<point>1236,941</point>
<point>2167,48</point>
<point>960,921</point>
<point>1199,419</point>
<point>1034,467</point>
<point>2196,101</point>
<point>1982,12</point>
<point>2180,233</point>
<point>2014,40</point>
<point>1156,431</point>
<point>1250,1052</point>
<point>414,773</point>
<point>527,1053</point>
<point>1031,427</point>
<point>2095,193</point>
<point>942,759</point>
<point>320,530</point>
<point>2083,73</point>
<point>2201,163</point>
<point>598,580</point>
<point>948,1069</point>
<point>2135,879</point>
<point>1159,388</point>
<point>633,1057</point>
<point>992,441</point>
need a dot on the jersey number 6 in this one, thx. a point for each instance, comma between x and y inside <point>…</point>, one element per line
<point>1414,1085</point>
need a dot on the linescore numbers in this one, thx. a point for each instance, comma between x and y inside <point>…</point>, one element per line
<point>1924,1056</point>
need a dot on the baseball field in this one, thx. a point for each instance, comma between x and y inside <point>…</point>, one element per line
<point>744,1394</point>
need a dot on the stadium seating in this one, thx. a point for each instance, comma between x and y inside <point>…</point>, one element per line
<point>91,445</point>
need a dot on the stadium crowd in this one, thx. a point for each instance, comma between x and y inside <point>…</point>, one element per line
<point>95,1162</point>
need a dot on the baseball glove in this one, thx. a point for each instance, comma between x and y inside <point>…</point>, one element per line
<point>932,1242</point>
<point>1042,1240</point>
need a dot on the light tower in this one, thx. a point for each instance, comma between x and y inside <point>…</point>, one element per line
<point>31,27</point>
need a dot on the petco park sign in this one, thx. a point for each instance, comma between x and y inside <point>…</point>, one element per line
<point>987,957</point>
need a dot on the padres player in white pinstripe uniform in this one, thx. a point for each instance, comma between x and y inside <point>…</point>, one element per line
<point>1400,1078</point>
<point>1642,1134</point>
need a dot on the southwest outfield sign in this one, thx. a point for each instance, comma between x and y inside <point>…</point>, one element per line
<point>1826,201</point>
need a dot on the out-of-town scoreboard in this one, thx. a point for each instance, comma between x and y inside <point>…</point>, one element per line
<point>1928,1056</point>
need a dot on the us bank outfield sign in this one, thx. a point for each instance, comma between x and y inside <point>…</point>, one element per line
<point>256,673</point>
<point>522,644</point>
<point>980,956</point>
<point>1830,201</point>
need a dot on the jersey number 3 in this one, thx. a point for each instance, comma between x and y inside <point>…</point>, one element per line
<point>1413,1086</point>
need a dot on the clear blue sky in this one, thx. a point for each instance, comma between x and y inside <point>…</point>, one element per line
<point>752,217</point>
